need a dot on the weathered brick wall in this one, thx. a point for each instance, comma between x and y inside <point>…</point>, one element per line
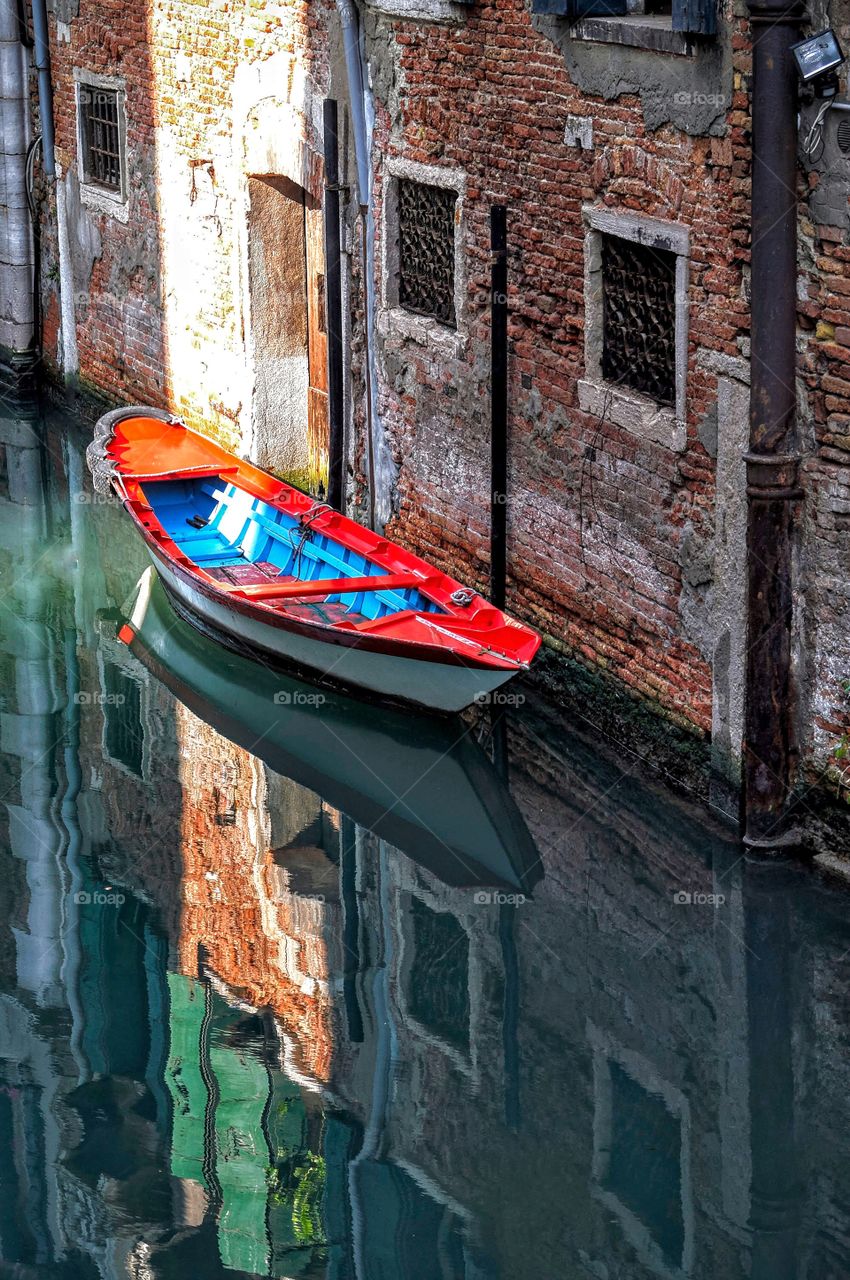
<point>626,553</point>
<point>604,525</point>
<point>118,302</point>
<point>824,317</point>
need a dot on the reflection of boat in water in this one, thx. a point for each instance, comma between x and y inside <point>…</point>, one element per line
<point>423,785</point>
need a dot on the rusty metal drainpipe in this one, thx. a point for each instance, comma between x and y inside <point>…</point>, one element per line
<point>770,748</point>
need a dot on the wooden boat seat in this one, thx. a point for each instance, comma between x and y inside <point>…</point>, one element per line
<point>295,589</point>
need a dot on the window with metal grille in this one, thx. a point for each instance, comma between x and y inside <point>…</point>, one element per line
<point>426,243</point>
<point>639,317</point>
<point>101,136</point>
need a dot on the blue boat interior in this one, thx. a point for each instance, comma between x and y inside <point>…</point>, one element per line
<point>221,527</point>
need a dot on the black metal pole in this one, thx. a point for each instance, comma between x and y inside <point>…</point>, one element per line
<point>772,461</point>
<point>333,310</point>
<point>499,404</point>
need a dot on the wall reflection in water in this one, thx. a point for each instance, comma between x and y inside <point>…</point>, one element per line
<point>260,1016</point>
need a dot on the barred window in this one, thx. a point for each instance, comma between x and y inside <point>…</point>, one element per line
<point>639,317</point>
<point>426,235</point>
<point>100,132</point>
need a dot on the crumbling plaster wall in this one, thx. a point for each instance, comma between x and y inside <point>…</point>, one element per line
<point>693,93</point>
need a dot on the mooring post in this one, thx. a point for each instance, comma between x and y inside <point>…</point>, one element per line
<point>772,461</point>
<point>333,311</point>
<point>498,404</point>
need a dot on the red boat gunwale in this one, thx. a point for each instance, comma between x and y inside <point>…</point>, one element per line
<point>464,628</point>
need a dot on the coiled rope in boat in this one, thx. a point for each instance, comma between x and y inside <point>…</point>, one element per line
<point>103,470</point>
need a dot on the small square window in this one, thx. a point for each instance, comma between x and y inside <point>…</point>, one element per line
<point>101,137</point>
<point>639,318</point>
<point>426,234</point>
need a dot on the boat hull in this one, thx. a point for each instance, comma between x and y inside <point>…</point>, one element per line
<point>432,685</point>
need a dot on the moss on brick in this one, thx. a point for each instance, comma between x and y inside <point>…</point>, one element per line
<point>629,724</point>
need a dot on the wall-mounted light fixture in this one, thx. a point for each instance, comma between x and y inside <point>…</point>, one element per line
<point>817,59</point>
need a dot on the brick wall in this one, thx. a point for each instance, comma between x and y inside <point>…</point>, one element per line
<point>599,517</point>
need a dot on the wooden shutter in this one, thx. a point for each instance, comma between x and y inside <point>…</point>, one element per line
<point>697,17</point>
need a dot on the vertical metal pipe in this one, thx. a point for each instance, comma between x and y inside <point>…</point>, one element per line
<point>16,246</point>
<point>333,309</point>
<point>498,403</point>
<point>69,356</point>
<point>772,462</point>
<point>41,51</point>
<point>349,17</point>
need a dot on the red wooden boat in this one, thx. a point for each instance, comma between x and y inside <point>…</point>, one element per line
<point>265,567</point>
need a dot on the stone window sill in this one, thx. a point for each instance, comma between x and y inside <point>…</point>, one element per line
<point>397,325</point>
<point>423,10</point>
<point>637,31</point>
<point>633,412</point>
<point>101,201</point>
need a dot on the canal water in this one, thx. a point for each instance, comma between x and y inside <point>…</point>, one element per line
<point>291,986</point>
